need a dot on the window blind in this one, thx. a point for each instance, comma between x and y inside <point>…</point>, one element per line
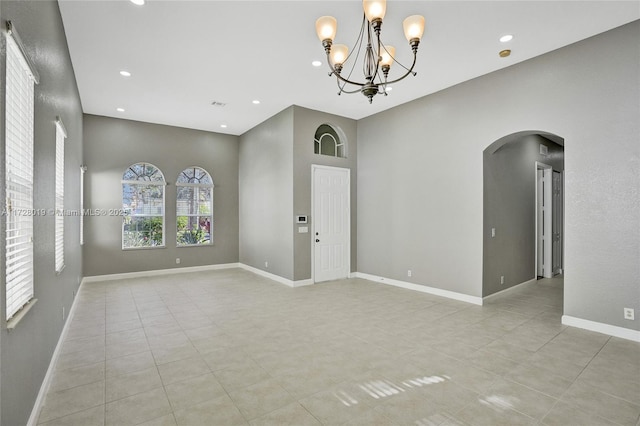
<point>19,116</point>
<point>61,134</point>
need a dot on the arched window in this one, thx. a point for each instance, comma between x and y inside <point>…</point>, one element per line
<point>143,205</point>
<point>194,209</point>
<point>329,141</point>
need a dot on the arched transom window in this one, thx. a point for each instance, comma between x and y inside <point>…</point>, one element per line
<point>194,207</point>
<point>329,141</point>
<point>143,206</point>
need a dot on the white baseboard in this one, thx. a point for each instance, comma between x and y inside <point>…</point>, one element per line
<point>274,277</point>
<point>157,272</point>
<point>507,290</point>
<point>46,382</point>
<point>599,327</point>
<point>422,288</point>
<point>128,275</point>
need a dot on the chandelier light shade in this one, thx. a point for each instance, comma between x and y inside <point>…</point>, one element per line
<point>377,58</point>
<point>387,55</point>
<point>374,9</point>
<point>413,27</point>
<point>326,27</point>
<point>339,54</point>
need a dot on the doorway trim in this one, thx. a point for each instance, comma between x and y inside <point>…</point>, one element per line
<point>314,220</point>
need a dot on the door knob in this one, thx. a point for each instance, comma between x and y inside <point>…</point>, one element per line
<point>317,240</point>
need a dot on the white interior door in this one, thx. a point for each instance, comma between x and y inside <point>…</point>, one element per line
<point>331,223</point>
<point>558,213</point>
<point>544,221</point>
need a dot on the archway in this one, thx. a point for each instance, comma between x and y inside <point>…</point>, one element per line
<point>511,196</point>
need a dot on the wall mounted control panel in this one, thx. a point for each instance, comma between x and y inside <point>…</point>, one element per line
<point>301,218</point>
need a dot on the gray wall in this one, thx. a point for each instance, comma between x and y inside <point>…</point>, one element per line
<point>25,352</point>
<point>266,195</point>
<point>420,191</point>
<point>509,182</point>
<point>112,145</point>
<point>306,122</point>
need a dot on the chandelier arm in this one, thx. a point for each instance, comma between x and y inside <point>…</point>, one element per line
<point>358,43</point>
<point>339,77</point>
<point>357,47</point>
<point>400,63</point>
<point>409,71</point>
<point>348,92</point>
<point>377,52</point>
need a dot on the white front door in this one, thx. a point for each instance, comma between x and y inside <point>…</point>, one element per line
<point>331,223</point>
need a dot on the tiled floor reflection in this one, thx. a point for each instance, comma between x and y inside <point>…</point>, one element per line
<point>229,348</point>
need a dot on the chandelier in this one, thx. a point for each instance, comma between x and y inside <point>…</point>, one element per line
<point>377,58</point>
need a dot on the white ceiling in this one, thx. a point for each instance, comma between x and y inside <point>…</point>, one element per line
<point>185,54</point>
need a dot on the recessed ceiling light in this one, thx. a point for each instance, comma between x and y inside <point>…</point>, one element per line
<point>137,2</point>
<point>120,109</point>
<point>316,63</point>
<point>256,102</point>
<point>125,73</point>
<point>224,126</point>
<point>388,88</point>
<point>505,38</point>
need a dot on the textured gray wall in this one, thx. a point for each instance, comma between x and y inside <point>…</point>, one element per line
<point>509,206</point>
<point>420,180</point>
<point>26,351</point>
<point>112,145</point>
<point>306,122</point>
<point>266,195</point>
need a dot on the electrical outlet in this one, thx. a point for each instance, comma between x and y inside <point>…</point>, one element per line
<point>266,264</point>
<point>177,260</point>
<point>493,232</point>
<point>409,272</point>
<point>502,279</point>
<point>629,314</point>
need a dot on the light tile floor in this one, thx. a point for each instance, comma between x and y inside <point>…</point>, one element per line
<point>231,348</point>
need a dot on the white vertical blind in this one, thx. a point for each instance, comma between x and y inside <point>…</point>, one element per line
<point>61,134</point>
<point>19,111</point>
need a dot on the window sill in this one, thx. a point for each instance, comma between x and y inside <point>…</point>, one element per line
<point>13,322</point>
<point>194,245</point>
<point>143,248</point>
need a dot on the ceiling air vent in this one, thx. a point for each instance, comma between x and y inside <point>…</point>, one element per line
<point>218,104</point>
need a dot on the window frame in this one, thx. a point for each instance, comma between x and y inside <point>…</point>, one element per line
<point>211,186</point>
<point>159,183</point>
<point>336,135</point>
